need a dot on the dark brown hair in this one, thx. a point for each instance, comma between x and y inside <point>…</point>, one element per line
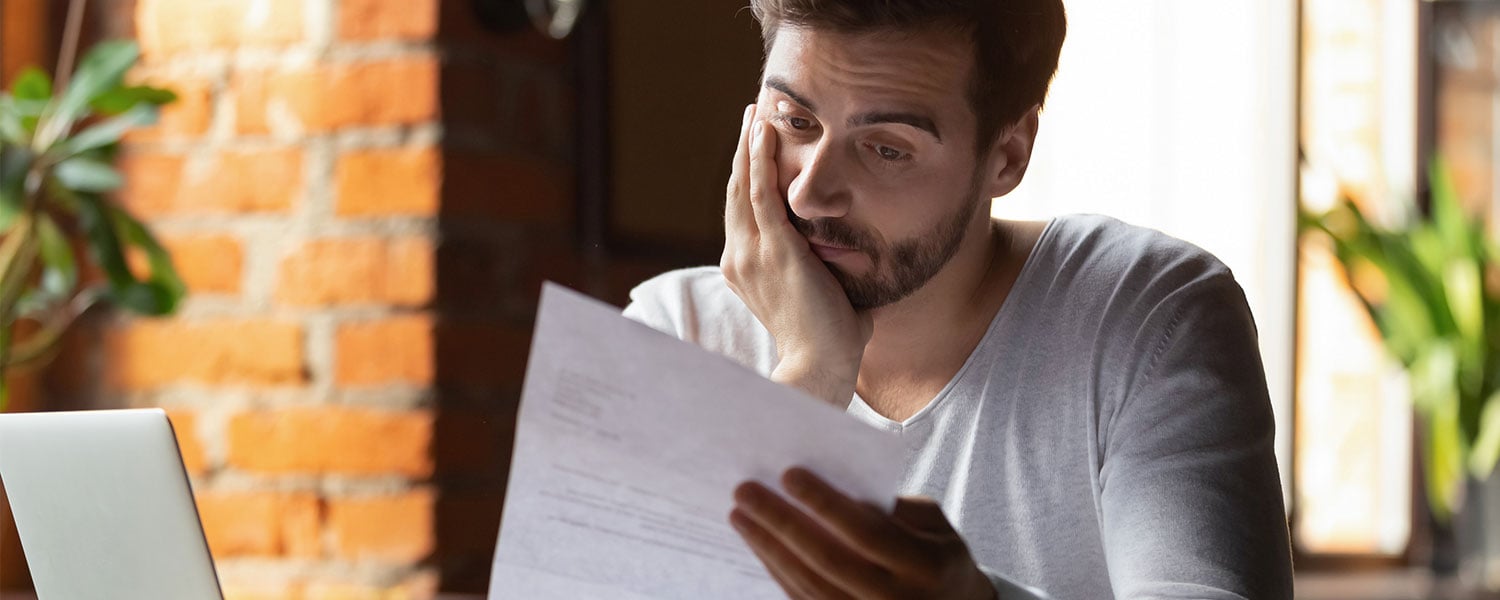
<point>1016,42</point>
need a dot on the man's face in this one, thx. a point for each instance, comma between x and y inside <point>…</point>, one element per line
<point>876,152</point>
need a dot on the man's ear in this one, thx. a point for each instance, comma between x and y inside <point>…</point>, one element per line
<point>1011,154</point>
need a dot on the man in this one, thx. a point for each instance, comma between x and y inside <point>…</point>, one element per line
<point>1083,400</point>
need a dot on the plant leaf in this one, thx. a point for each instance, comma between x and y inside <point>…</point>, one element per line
<point>32,84</point>
<point>1486,451</point>
<point>1445,464</point>
<point>61,268</point>
<point>104,243</point>
<point>107,227</point>
<point>102,69</point>
<point>18,119</point>
<point>11,129</point>
<point>102,134</point>
<point>59,271</point>
<point>18,252</point>
<point>166,287</point>
<point>119,100</point>
<point>85,174</point>
<point>15,161</point>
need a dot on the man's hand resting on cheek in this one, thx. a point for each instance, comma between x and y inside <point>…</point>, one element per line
<point>820,339</point>
<point>841,548</point>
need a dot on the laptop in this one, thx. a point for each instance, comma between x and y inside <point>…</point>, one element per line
<point>103,506</point>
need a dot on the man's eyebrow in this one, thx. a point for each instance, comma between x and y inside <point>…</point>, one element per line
<point>901,118</point>
<point>780,85</point>
<point>874,118</point>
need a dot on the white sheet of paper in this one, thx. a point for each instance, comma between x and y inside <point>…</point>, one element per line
<point>629,445</point>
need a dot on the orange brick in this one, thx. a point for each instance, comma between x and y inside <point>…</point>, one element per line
<point>185,427</point>
<point>341,590</point>
<point>381,19</point>
<point>206,263</point>
<point>358,270</point>
<point>260,523</point>
<point>165,26</point>
<point>402,181</point>
<point>395,528</point>
<point>411,273</point>
<point>259,587</point>
<point>506,188</point>
<point>187,117</point>
<point>239,524</point>
<point>399,91</point>
<point>332,440</point>
<point>155,352</point>
<point>301,526</point>
<point>420,585</point>
<point>394,350</point>
<point>152,182</point>
<point>207,183</point>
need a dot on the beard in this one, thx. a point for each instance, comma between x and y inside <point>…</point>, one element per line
<point>898,269</point>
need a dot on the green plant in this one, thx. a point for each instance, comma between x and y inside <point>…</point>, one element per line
<point>1432,286</point>
<point>56,150</point>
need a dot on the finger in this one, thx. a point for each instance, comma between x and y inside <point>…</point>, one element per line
<point>765,192</point>
<point>806,540</point>
<point>738,215</point>
<point>794,576</point>
<point>792,588</point>
<point>861,526</point>
<point>922,514</point>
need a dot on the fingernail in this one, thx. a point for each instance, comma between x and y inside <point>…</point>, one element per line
<point>758,130</point>
<point>744,493</point>
<point>749,110</point>
<point>794,481</point>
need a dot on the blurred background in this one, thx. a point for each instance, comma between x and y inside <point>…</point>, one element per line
<point>363,197</point>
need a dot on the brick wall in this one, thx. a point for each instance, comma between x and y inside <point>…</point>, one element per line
<point>362,196</point>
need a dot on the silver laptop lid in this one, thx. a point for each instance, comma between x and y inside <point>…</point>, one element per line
<point>103,506</point>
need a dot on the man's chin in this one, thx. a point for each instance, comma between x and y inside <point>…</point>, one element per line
<point>863,292</point>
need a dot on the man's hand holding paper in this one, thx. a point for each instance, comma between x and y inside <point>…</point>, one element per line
<point>629,447</point>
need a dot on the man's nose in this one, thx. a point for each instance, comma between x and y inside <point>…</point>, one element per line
<point>821,189</point>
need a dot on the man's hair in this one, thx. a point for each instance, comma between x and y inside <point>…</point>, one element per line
<point>1015,42</point>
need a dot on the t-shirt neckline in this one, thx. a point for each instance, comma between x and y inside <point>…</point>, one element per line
<point>861,410</point>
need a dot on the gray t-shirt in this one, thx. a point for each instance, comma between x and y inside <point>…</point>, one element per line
<point>1109,436</point>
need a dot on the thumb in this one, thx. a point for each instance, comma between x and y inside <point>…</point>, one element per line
<point>921,514</point>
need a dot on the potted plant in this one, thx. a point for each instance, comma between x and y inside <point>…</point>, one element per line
<point>57,144</point>
<point>1431,283</point>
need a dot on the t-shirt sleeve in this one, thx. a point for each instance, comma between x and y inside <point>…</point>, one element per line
<point>1006,589</point>
<point>1191,502</point>
<point>654,304</point>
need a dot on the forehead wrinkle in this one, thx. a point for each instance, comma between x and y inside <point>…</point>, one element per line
<point>894,71</point>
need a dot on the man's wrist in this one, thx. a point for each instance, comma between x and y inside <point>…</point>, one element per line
<point>829,384</point>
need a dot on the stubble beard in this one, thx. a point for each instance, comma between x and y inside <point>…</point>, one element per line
<point>912,262</point>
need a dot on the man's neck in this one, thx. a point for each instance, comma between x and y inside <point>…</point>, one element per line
<point>927,336</point>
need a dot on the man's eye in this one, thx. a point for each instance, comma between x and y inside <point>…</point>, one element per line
<point>889,153</point>
<point>798,123</point>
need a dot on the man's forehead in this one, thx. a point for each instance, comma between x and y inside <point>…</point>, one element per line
<point>910,68</point>
<point>903,77</point>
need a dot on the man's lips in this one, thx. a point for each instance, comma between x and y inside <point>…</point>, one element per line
<point>827,253</point>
